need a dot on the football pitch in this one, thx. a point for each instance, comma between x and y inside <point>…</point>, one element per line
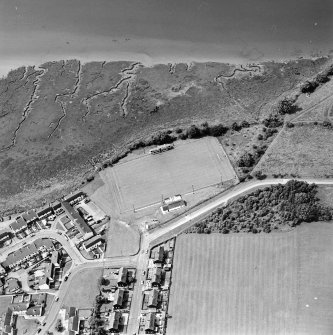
<point>190,166</point>
<point>253,284</point>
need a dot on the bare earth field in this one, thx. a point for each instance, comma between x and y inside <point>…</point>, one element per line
<point>305,151</point>
<point>253,284</point>
<point>143,181</point>
<point>84,288</point>
<point>60,119</point>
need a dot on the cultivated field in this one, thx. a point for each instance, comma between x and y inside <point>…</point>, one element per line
<point>305,151</point>
<point>144,180</point>
<point>254,284</point>
<point>84,288</point>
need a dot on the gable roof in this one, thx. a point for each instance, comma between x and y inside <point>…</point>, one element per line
<point>80,224</point>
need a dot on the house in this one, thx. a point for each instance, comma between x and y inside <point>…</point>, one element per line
<point>18,225</point>
<point>122,277</point>
<point>7,322</point>
<point>156,277</point>
<point>93,243</point>
<point>153,298</point>
<point>74,197</point>
<point>71,321</point>
<point>159,255</point>
<point>28,253</point>
<point>30,216</point>
<point>113,322</point>
<point>44,283</point>
<point>55,258</point>
<point>13,285</point>
<point>44,212</point>
<point>118,299</point>
<point>83,228</point>
<point>73,324</point>
<point>172,207</point>
<point>34,311</point>
<point>150,323</point>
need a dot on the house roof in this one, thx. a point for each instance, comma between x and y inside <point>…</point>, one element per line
<point>122,276</point>
<point>43,210</point>
<point>13,284</point>
<point>70,311</point>
<point>153,298</point>
<point>29,215</point>
<point>114,320</point>
<point>73,196</point>
<point>56,204</point>
<point>159,254</point>
<point>176,204</point>
<point>79,223</point>
<point>150,321</point>
<point>118,297</point>
<point>49,267</point>
<point>73,323</point>
<point>157,275</point>
<point>19,307</point>
<point>55,257</point>
<point>43,281</point>
<point>92,241</point>
<point>8,317</point>
<point>18,224</point>
<point>35,310</point>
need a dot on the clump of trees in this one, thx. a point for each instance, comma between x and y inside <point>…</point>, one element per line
<point>287,106</point>
<point>273,207</point>
<point>322,78</point>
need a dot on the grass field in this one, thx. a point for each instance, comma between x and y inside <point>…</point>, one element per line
<point>122,240</point>
<point>254,284</point>
<point>84,288</point>
<point>142,181</point>
<point>305,151</point>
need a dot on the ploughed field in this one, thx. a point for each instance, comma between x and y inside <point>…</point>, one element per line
<point>60,118</point>
<point>277,283</point>
<point>190,165</point>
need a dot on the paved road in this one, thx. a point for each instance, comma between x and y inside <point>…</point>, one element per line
<point>69,246</point>
<point>140,260</point>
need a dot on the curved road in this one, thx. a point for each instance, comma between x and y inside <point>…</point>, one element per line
<point>140,260</point>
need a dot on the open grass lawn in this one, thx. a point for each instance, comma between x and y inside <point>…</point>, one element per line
<point>84,288</point>
<point>26,326</point>
<point>143,181</point>
<point>122,240</point>
<point>305,151</point>
<point>254,284</point>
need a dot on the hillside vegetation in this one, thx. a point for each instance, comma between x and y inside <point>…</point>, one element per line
<point>60,121</point>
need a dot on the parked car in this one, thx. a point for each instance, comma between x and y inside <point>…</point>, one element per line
<point>56,299</point>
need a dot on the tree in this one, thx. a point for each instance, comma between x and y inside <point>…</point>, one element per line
<point>193,132</point>
<point>246,160</point>
<point>287,106</point>
<point>59,327</point>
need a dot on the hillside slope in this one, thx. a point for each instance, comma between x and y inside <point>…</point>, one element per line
<point>60,118</point>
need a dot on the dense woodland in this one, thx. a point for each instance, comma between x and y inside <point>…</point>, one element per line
<point>275,207</point>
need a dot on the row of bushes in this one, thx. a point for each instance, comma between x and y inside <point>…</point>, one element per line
<point>266,209</point>
<point>322,78</point>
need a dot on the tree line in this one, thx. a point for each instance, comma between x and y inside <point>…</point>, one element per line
<point>277,207</point>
